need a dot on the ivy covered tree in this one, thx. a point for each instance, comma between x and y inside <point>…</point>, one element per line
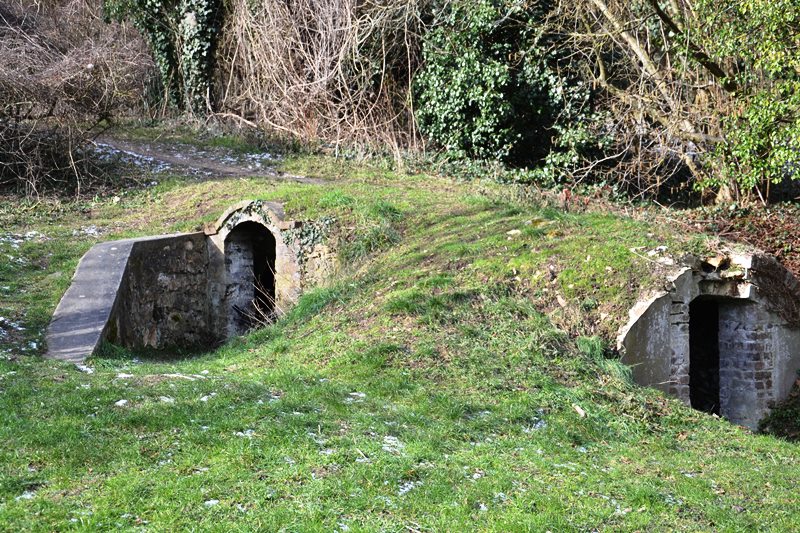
<point>182,35</point>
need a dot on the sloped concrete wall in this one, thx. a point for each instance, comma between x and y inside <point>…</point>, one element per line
<point>83,315</point>
<point>648,346</point>
<point>136,292</point>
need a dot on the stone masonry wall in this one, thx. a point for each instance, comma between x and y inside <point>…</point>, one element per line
<point>163,300</point>
<point>240,291</point>
<point>288,275</point>
<point>679,340</point>
<point>184,290</point>
<point>320,266</point>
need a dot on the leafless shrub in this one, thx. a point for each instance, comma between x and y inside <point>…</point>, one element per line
<point>64,71</point>
<point>338,71</point>
<point>264,308</point>
<point>662,94</point>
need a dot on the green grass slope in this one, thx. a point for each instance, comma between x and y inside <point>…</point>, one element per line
<point>449,379</point>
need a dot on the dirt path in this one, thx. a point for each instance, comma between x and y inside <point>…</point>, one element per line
<point>213,163</point>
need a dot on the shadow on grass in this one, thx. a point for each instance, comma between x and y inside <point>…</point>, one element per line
<point>109,352</point>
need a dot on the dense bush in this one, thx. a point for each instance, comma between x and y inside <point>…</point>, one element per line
<point>759,39</point>
<point>493,85</point>
<point>641,96</point>
<point>702,95</point>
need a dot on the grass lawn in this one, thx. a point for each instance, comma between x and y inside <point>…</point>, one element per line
<point>453,377</point>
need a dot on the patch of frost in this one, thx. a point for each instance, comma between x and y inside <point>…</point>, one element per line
<point>392,444</point>
<point>407,487</point>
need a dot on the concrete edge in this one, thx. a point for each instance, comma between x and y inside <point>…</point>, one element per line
<point>643,304</point>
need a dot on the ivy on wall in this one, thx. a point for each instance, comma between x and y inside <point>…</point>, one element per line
<point>182,36</point>
<point>308,235</point>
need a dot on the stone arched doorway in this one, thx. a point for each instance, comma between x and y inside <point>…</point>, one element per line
<point>254,271</point>
<point>725,340</point>
<point>250,252</point>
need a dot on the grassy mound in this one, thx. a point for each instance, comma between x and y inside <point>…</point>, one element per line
<point>453,376</point>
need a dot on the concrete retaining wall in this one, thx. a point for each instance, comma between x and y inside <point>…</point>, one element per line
<point>162,300</point>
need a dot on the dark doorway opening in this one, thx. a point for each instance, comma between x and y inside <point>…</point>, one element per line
<point>250,269</point>
<point>704,355</point>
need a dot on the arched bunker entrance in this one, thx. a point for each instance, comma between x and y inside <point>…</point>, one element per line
<point>255,271</point>
<point>250,274</point>
<point>192,289</point>
<point>724,339</point>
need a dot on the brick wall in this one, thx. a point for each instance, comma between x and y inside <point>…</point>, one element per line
<point>746,362</point>
<point>679,337</point>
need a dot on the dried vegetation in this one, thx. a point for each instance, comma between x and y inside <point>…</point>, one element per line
<point>65,72</point>
<point>333,70</point>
